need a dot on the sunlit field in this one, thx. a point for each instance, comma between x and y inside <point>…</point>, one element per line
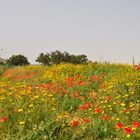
<point>70,102</point>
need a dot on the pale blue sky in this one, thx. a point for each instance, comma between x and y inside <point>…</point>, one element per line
<point>101,29</point>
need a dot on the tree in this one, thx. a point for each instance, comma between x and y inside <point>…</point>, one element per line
<point>78,59</point>
<point>18,60</point>
<point>44,59</point>
<point>66,57</point>
<point>81,59</point>
<point>57,57</point>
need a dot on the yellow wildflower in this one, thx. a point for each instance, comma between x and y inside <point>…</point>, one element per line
<point>31,105</point>
<point>21,123</point>
<point>20,110</point>
<point>122,104</point>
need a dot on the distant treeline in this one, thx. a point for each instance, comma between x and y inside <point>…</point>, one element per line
<point>55,57</point>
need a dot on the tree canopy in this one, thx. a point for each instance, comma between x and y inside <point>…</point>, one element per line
<point>17,60</point>
<point>57,57</point>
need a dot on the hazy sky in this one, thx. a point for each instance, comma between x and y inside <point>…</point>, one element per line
<point>101,29</point>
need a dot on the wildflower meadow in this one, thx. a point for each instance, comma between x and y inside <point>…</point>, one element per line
<point>70,102</point>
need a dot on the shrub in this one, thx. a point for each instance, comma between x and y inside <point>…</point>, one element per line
<point>18,60</point>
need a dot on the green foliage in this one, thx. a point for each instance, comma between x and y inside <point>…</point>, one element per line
<point>78,59</point>
<point>18,60</point>
<point>58,57</point>
<point>44,59</point>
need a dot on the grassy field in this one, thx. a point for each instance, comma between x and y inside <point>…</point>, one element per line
<point>70,102</point>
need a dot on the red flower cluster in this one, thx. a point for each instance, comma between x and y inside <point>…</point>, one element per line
<point>70,82</point>
<point>128,130</point>
<point>85,106</point>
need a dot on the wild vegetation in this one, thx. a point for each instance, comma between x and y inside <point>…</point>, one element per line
<point>70,102</point>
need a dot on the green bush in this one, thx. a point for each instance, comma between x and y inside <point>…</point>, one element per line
<point>18,60</point>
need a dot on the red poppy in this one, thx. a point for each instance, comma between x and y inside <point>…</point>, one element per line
<point>86,120</point>
<point>81,83</point>
<point>106,117</point>
<point>98,110</point>
<point>65,91</point>
<point>119,125</point>
<point>83,107</point>
<point>128,130</point>
<point>75,122</point>
<point>4,119</point>
<point>135,124</point>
